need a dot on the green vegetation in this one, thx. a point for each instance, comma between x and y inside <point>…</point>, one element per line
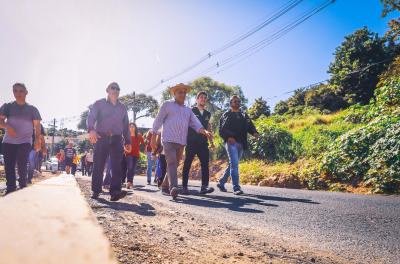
<point>341,135</point>
<point>355,147</point>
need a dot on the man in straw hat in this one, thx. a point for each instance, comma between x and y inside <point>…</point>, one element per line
<point>108,125</point>
<point>175,118</point>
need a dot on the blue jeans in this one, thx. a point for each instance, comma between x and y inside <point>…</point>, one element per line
<point>235,152</point>
<point>131,164</point>
<point>32,162</point>
<point>149,166</point>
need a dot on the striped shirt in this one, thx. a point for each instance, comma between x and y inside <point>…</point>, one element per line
<point>175,120</point>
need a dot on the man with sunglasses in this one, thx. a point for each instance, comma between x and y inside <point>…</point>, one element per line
<point>20,121</point>
<point>108,127</point>
<point>234,126</point>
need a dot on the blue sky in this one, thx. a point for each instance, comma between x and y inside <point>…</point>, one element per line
<point>66,52</point>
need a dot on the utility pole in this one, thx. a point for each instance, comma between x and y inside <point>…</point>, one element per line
<point>133,107</point>
<point>52,140</point>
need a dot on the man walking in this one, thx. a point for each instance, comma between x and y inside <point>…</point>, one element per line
<point>198,145</point>
<point>83,163</point>
<point>233,128</point>
<point>70,154</point>
<point>175,118</point>
<point>108,126</point>
<point>89,163</point>
<point>34,157</point>
<point>20,120</point>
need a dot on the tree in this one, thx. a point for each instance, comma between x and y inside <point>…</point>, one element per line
<point>389,6</point>
<point>323,97</point>
<point>297,99</point>
<point>82,123</point>
<point>60,145</point>
<point>354,72</point>
<point>84,146</point>
<point>281,108</point>
<point>219,95</point>
<point>259,108</point>
<point>141,105</point>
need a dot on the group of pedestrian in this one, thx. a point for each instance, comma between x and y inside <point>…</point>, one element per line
<point>177,130</point>
<point>183,128</point>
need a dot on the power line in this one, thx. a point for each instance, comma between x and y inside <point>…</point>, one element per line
<point>257,47</point>
<point>324,81</point>
<point>283,10</point>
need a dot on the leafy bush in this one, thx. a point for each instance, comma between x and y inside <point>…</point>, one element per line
<point>384,161</point>
<point>300,174</point>
<point>354,156</point>
<point>274,144</point>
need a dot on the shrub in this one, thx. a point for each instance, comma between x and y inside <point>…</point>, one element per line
<point>384,161</point>
<point>355,155</point>
<point>274,144</point>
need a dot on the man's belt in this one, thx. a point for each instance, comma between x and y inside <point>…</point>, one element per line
<point>102,134</point>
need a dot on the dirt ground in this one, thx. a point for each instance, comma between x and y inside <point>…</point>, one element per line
<point>143,231</point>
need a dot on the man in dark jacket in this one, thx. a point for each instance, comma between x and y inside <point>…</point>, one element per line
<point>234,126</point>
<point>197,144</point>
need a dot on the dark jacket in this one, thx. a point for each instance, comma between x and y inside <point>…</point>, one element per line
<point>236,125</point>
<point>195,139</point>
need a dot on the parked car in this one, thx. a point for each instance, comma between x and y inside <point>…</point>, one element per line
<point>1,159</point>
<point>52,164</point>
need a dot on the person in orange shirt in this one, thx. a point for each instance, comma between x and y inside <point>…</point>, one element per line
<point>61,158</point>
<point>133,156</point>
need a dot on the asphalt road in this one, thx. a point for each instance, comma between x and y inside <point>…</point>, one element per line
<point>358,228</point>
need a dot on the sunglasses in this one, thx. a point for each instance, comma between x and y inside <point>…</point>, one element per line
<point>114,88</point>
<point>19,90</point>
<point>236,101</point>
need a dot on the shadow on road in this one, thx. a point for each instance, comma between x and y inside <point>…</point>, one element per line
<point>143,188</point>
<point>144,209</point>
<point>232,203</point>
<point>279,199</point>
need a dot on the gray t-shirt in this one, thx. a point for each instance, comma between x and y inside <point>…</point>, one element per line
<point>20,117</point>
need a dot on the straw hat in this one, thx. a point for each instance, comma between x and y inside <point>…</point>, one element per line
<point>187,88</point>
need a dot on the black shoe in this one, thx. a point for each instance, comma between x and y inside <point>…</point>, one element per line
<point>174,193</point>
<point>149,183</point>
<point>118,195</point>
<point>221,187</point>
<point>238,192</point>
<point>205,190</point>
<point>185,191</point>
<point>9,191</point>
<point>95,195</point>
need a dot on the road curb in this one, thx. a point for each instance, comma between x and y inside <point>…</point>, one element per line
<point>50,222</point>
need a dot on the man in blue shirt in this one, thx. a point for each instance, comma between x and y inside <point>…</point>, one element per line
<point>108,127</point>
<point>19,120</point>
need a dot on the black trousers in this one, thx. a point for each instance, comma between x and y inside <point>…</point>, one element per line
<point>73,169</point>
<point>16,154</point>
<point>163,167</point>
<point>107,145</point>
<point>203,154</point>
<point>124,169</point>
<point>89,168</point>
<point>83,167</point>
